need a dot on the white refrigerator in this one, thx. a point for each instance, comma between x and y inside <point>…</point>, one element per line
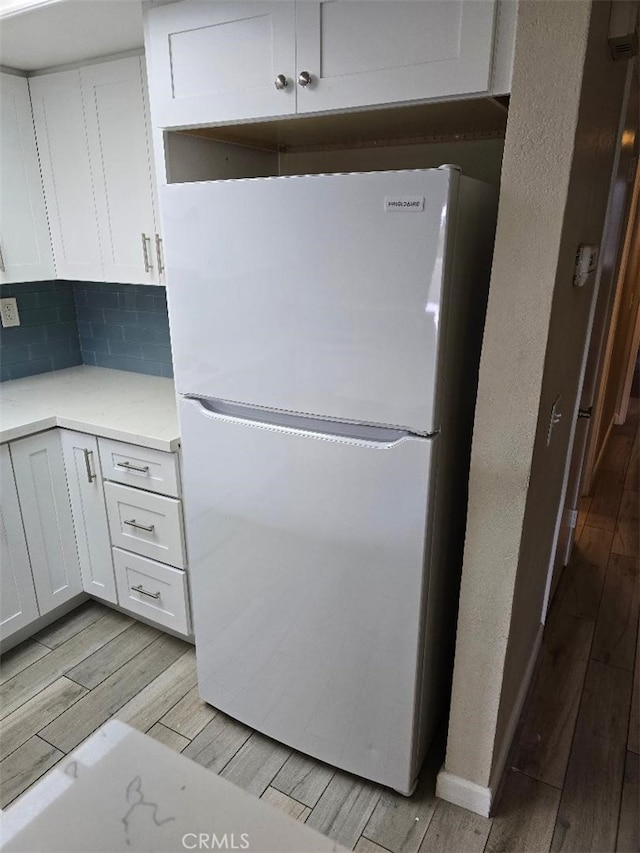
<point>326,333</point>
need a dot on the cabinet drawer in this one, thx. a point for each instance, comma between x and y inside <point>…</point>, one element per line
<point>154,470</point>
<point>148,524</point>
<point>152,590</point>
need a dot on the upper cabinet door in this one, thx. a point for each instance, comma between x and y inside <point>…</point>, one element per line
<point>357,52</point>
<point>217,62</point>
<point>119,151</point>
<point>66,172</point>
<point>24,233</point>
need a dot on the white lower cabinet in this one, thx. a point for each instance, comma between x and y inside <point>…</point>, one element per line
<point>84,475</point>
<point>147,530</point>
<point>152,590</point>
<point>140,467</point>
<point>60,520</point>
<point>18,605</point>
<point>146,523</point>
<point>46,514</point>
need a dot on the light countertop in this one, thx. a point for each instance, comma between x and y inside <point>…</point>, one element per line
<point>123,791</point>
<point>110,403</point>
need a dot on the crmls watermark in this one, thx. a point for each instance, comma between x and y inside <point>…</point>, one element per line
<point>211,841</point>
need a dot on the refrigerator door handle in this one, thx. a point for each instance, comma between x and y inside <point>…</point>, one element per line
<point>380,437</point>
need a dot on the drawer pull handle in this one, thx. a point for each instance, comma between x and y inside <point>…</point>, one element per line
<point>87,456</point>
<point>139,589</point>
<point>133,523</point>
<point>143,469</point>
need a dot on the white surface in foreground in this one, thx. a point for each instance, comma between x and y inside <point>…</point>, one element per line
<point>123,791</point>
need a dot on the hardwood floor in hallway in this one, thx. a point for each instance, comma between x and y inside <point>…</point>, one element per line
<point>573,778</point>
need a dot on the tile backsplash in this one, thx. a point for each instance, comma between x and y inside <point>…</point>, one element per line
<point>47,337</point>
<point>62,324</point>
<point>124,326</point>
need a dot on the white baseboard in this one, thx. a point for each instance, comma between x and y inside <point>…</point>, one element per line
<point>477,798</point>
<point>462,792</point>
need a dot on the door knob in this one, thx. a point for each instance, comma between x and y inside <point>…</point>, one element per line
<point>304,78</point>
<point>281,82</point>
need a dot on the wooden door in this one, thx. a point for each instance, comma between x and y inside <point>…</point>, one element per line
<point>579,463</point>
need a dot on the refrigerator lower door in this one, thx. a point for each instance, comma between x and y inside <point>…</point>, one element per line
<point>306,553</point>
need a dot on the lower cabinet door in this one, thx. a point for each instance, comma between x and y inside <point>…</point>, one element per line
<point>84,476</point>
<point>18,605</point>
<point>152,590</point>
<point>46,512</point>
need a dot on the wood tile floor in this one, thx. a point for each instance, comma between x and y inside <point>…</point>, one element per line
<point>573,782</point>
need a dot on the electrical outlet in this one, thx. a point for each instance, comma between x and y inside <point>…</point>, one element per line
<point>9,312</point>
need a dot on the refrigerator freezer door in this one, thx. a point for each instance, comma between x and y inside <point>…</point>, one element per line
<point>318,294</point>
<point>306,560</point>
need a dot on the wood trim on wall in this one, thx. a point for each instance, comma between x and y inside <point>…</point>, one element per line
<point>595,448</point>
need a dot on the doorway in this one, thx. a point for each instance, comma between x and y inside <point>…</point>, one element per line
<point>609,355</point>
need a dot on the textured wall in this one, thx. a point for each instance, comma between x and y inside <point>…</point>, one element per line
<point>124,326</point>
<point>47,337</point>
<point>534,336</point>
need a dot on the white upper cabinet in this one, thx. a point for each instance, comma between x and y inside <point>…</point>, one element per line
<point>211,63</point>
<point>66,173</point>
<point>92,131</point>
<point>119,152</point>
<point>216,62</point>
<point>354,53</point>
<point>24,233</point>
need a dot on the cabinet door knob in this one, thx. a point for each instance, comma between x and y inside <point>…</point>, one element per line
<point>281,82</point>
<point>304,78</point>
<point>2,268</point>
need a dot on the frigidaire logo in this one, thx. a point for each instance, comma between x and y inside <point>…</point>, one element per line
<point>404,203</point>
<point>213,841</point>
